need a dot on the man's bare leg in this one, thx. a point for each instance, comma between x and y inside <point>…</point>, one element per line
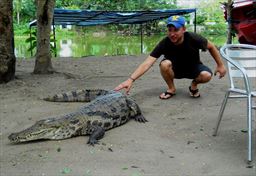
<point>203,77</point>
<point>168,75</point>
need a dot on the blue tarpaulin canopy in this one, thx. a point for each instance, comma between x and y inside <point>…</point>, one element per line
<point>92,17</point>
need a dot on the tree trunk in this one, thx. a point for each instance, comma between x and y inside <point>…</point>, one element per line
<point>229,19</point>
<point>45,10</point>
<point>7,57</point>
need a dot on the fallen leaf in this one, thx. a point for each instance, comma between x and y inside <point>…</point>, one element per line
<point>66,170</point>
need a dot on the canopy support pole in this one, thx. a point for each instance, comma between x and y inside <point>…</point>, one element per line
<point>30,35</point>
<point>141,38</point>
<point>195,23</point>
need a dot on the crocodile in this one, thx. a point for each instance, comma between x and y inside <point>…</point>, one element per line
<point>104,110</point>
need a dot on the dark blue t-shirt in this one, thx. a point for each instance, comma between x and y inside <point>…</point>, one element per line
<point>185,55</point>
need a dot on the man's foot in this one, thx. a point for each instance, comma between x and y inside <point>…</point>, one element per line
<point>166,95</point>
<point>194,93</point>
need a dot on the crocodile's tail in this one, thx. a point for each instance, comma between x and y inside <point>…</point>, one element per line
<point>85,95</point>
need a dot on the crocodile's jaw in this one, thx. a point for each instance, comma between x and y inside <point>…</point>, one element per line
<point>29,135</point>
<point>43,129</point>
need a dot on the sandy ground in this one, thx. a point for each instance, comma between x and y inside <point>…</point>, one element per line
<point>177,140</point>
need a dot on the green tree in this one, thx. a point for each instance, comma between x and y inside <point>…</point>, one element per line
<point>74,4</point>
<point>212,11</point>
<point>17,9</point>
<point>24,10</point>
<point>211,16</point>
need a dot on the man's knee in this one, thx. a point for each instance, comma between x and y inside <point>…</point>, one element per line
<point>165,65</point>
<point>205,76</point>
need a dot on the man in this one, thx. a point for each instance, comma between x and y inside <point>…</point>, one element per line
<point>181,59</point>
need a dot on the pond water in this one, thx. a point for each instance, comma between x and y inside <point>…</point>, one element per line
<point>98,44</point>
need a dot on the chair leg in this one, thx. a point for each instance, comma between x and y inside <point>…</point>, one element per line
<point>223,105</point>
<point>249,127</point>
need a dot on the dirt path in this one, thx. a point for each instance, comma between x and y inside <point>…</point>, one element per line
<point>177,140</point>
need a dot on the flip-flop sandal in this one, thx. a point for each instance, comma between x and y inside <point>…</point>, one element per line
<point>194,93</point>
<point>170,94</point>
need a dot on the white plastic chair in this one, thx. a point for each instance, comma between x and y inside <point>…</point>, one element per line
<point>241,63</point>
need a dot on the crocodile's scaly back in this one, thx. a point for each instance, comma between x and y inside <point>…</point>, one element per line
<point>85,95</point>
<point>103,113</point>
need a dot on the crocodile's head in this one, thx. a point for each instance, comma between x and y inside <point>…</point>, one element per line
<point>43,129</point>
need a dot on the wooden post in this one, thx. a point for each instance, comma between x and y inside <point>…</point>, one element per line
<point>30,35</point>
<point>195,22</point>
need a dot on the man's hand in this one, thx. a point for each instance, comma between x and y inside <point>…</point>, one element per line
<point>221,70</point>
<point>125,85</point>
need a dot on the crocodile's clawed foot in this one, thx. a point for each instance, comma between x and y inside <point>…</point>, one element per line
<point>140,118</point>
<point>92,142</point>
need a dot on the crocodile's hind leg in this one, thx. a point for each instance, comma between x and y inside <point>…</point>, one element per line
<point>85,95</point>
<point>96,132</point>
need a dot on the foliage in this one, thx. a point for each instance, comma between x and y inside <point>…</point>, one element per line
<point>71,4</point>
<point>32,40</point>
<point>26,8</point>
<point>20,28</point>
<point>17,8</point>
<point>200,19</point>
<point>131,4</point>
<point>211,11</point>
<point>210,15</point>
<point>216,29</point>
<point>116,4</point>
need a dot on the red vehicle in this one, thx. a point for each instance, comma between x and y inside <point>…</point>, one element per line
<point>244,20</point>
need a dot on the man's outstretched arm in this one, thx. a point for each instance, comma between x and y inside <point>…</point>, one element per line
<point>143,68</point>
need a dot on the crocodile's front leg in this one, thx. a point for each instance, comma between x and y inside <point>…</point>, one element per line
<point>135,111</point>
<point>96,132</point>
